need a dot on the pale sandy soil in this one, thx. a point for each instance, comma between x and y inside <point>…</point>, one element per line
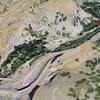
<point>58,89</point>
<point>11,21</point>
<point>84,53</point>
<point>65,6</point>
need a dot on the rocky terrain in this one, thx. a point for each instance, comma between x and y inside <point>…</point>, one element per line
<point>49,49</point>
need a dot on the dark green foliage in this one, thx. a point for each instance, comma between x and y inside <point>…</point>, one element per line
<point>89,83</point>
<point>23,53</point>
<point>79,41</point>
<point>92,63</point>
<point>80,81</point>
<point>98,71</point>
<point>63,74</point>
<point>93,24</point>
<point>75,91</point>
<point>97,90</point>
<point>92,8</point>
<point>36,34</point>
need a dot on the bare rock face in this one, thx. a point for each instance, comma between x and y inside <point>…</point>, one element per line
<point>4,96</point>
<point>47,49</point>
